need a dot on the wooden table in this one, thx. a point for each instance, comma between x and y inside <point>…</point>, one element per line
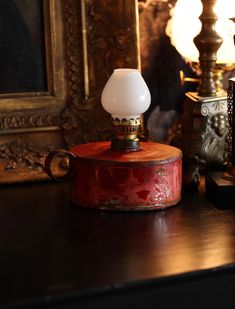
<point>54,254</point>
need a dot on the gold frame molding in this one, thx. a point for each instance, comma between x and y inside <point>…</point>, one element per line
<point>85,40</point>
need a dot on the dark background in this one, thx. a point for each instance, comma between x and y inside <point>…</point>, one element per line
<point>161,65</point>
<point>22,52</point>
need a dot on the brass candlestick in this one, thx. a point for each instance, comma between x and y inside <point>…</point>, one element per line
<point>207,42</point>
<point>204,124</point>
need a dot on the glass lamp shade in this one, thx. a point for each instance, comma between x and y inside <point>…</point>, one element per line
<point>125,95</point>
<point>185,25</point>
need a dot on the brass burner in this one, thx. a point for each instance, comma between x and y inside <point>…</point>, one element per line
<point>126,134</point>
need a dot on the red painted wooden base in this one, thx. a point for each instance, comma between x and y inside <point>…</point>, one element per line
<point>147,179</point>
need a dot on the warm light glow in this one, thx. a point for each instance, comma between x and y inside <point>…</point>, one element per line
<point>125,94</point>
<point>185,25</point>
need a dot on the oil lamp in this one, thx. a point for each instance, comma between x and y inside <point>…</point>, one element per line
<point>125,174</point>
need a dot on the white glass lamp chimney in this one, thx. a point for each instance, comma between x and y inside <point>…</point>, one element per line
<point>126,94</point>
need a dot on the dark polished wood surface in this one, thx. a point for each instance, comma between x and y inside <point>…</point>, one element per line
<point>53,250</point>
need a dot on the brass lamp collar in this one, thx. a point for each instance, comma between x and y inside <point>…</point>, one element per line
<point>126,134</point>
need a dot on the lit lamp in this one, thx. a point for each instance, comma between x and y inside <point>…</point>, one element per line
<point>204,124</point>
<point>124,174</point>
<point>185,25</point>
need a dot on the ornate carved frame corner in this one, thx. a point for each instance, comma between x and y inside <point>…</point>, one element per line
<point>85,40</point>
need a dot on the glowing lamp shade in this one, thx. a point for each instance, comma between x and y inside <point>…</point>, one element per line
<point>125,94</point>
<point>185,25</point>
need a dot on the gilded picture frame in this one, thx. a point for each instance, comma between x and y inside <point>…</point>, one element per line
<point>85,40</point>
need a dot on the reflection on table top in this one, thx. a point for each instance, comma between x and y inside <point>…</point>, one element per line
<point>49,246</point>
